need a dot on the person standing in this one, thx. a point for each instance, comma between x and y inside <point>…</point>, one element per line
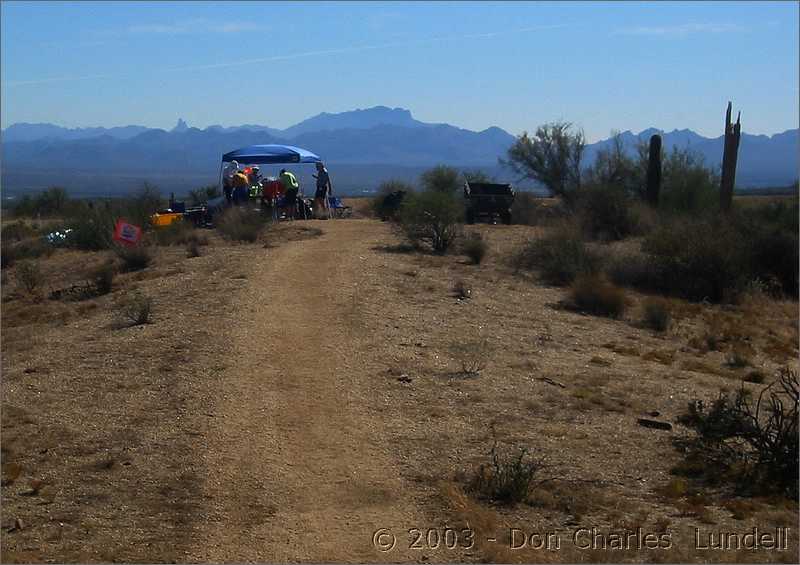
<point>290,190</point>
<point>241,185</point>
<point>324,191</point>
<point>227,180</point>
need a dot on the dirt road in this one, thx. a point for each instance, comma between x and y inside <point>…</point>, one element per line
<point>299,469</point>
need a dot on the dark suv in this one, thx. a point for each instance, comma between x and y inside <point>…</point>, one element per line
<point>488,200</point>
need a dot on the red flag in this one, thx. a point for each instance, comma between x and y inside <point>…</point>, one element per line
<point>127,234</point>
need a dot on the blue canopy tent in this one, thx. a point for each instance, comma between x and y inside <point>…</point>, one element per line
<point>268,154</point>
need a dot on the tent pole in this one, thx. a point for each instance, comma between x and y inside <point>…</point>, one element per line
<point>219,181</point>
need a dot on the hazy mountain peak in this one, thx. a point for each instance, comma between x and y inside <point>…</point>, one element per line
<point>181,126</point>
<point>361,118</point>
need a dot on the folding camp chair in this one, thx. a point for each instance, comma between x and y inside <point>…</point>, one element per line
<point>338,209</point>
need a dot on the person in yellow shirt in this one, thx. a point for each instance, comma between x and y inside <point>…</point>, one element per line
<point>290,189</point>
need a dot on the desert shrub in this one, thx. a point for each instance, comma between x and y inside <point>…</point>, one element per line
<point>475,247</point>
<point>28,249</point>
<point>442,178</point>
<point>774,250</point>
<point>560,256</point>
<point>751,441</point>
<point>594,294</point>
<point>134,258</point>
<point>92,228</point>
<point>142,204</point>
<point>656,314</point>
<point>135,309</point>
<point>636,270</point>
<point>552,157</point>
<point>472,356</point>
<point>103,278</point>
<point>688,186</point>
<point>29,276</point>
<point>50,202</point>
<point>432,217</point>
<point>606,213</point>
<point>240,224</point>
<point>177,233</point>
<point>386,204</point>
<point>699,259</point>
<point>506,478</point>
<point>17,231</point>
<point>203,194</point>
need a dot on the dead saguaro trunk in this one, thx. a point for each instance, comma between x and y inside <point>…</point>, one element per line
<point>654,170</point>
<point>732,134</point>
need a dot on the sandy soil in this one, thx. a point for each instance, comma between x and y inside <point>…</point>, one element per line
<point>314,395</point>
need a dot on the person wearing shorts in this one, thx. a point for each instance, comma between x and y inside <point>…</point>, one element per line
<point>324,190</point>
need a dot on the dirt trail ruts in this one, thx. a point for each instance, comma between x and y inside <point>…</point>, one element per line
<point>299,469</point>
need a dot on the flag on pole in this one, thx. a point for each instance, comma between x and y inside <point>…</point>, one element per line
<point>127,234</point>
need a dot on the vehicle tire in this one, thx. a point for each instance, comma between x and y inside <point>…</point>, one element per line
<point>506,217</point>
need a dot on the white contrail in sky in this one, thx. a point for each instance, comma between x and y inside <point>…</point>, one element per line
<point>334,51</point>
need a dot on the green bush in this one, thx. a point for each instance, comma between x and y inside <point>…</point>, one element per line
<point>594,294</point>
<point>92,228</point>
<point>433,218</point>
<point>688,186</point>
<point>559,256</point>
<point>699,259</point>
<point>142,204</point>
<point>52,202</point>
<point>240,224</point>
<point>442,178</point>
<point>475,247</point>
<point>606,213</point>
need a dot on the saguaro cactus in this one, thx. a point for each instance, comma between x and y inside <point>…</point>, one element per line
<point>654,170</point>
<point>732,134</point>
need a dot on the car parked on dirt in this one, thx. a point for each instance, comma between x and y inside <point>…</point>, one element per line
<point>488,201</point>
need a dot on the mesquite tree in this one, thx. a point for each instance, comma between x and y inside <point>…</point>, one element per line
<point>654,170</point>
<point>732,134</point>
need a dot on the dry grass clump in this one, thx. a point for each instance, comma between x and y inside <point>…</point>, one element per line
<point>596,295</point>
<point>29,276</point>
<point>506,478</point>
<point>472,356</point>
<point>240,224</point>
<point>135,309</point>
<point>475,247</point>
<point>134,258</point>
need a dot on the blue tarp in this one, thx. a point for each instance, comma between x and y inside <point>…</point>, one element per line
<point>270,154</point>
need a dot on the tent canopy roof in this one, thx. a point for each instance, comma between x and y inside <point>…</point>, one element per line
<point>271,154</point>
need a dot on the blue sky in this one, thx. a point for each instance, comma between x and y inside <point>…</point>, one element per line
<point>602,66</point>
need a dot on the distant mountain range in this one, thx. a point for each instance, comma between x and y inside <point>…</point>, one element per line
<point>362,148</point>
